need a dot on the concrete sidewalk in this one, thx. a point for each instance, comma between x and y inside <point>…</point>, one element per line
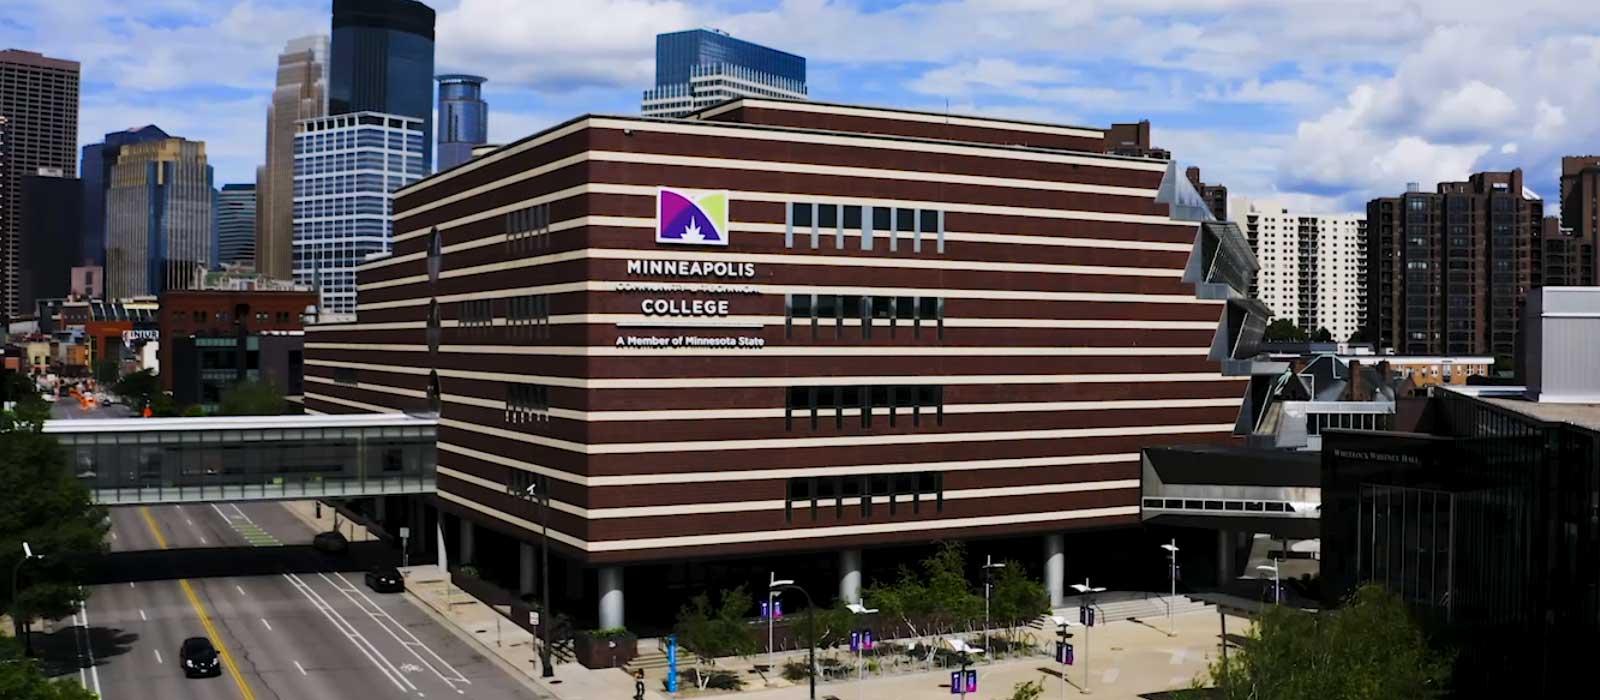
<point>512,646</point>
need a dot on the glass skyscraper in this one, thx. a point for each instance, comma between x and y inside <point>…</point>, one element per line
<point>463,118</point>
<point>347,167</point>
<point>236,224</point>
<point>382,61</point>
<point>159,218</point>
<point>701,67</point>
<point>98,159</point>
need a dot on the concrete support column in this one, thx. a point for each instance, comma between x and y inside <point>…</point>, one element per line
<point>850,576</point>
<point>1055,568</point>
<point>1225,546</point>
<point>378,510</point>
<point>525,579</point>
<point>466,555</point>
<point>610,597</point>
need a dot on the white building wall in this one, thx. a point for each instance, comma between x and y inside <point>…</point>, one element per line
<point>1282,239</point>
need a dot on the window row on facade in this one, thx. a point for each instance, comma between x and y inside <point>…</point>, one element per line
<point>821,310</point>
<point>527,402</point>
<point>896,494</point>
<point>528,229</point>
<point>527,311</point>
<point>895,404</point>
<point>812,224</point>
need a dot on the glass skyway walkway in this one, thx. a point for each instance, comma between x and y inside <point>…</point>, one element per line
<point>183,460</point>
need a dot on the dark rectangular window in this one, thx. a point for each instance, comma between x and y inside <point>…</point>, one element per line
<point>344,375</point>
<point>800,214</point>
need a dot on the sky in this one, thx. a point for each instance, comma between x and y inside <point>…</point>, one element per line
<point>1319,104</point>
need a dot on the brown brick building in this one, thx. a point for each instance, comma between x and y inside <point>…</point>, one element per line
<point>1580,216</point>
<point>786,327</point>
<point>1447,270</point>
<point>216,314</point>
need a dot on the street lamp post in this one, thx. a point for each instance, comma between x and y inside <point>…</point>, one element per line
<point>1277,588</point>
<point>527,487</point>
<point>1087,591</point>
<point>1172,555</point>
<point>17,621</point>
<point>1062,624</point>
<point>811,620</point>
<point>861,646</point>
<point>988,583</point>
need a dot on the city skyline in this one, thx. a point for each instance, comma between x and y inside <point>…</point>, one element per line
<point>1338,107</point>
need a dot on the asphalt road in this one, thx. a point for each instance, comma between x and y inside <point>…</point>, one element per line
<point>69,408</point>
<point>285,636</point>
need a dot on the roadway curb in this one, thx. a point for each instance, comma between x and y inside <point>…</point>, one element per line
<point>521,676</point>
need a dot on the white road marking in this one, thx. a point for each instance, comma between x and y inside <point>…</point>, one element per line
<point>379,615</point>
<point>141,615</point>
<point>302,668</point>
<point>187,520</point>
<point>113,535</point>
<point>1110,676</point>
<point>267,624</point>
<point>158,655</point>
<point>350,632</point>
<point>130,584</point>
<point>239,588</point>
<point>94,671</point>
<point>203,540</point>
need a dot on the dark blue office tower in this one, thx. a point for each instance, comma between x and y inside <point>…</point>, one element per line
<point>382,61</point>
<point>677,53</point>
<point>96,173</point>
<point>463,118</point>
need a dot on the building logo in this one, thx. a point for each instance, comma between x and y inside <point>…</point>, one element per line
<point>693,218</point>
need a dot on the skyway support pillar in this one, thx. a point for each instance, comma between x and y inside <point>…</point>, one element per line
<point>611,608</point>
<point>525,579</point>
<point>1055,568</point>
<point>466,555</point>
<point>850,576</point>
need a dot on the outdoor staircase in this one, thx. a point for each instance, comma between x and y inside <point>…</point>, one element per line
<point>1117,605</point>
<point>652,660</point>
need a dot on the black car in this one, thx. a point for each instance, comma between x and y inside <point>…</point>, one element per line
<point>198,658</point>
<point>386,579</point>
<point>330,542</point>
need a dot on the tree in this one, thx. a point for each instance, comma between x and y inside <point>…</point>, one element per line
<point>252,399</point>
<point>1323,335</point>
<point>105,372</point>
<point>1368,649</point>
<point>139,389</point>
<point>936,599</point>
<point>710,631</point>
<point>50,509</point>
<point>1360,336</point>
<point>22,678</point>
<point>1282,329</point>
<point>1028,690</point>
<point>1015,600</point>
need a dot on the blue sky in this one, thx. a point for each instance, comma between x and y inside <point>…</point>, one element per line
<point>1317,103</point>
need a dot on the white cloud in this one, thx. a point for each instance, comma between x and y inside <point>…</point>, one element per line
<point>555,43</point>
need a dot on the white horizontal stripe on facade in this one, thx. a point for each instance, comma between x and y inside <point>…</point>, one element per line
<point>904,116</point>
<point>767,133</point>
<point>781,350</point>
<point>757,506</point>
<point>712,287</point>
<point>795,472</point>
<point>744,413</point>
<point>781,259</point>
<point>718,382</point>
<point>790,534</point>
<point>782,197</point>
<point>837,441</point>
<point>849,530</point>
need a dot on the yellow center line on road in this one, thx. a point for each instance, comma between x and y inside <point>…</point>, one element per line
<point>200,610</point>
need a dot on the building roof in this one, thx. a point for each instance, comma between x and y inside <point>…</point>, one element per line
<point>141,425</point>
<point>1512,398</point>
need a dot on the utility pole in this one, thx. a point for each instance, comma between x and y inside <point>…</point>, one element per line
<point>988,583</point>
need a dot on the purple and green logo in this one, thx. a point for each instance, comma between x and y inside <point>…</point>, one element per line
<point>694,218</point>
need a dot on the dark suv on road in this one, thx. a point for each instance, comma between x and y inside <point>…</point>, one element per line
<point>386,579</point>
<point>199,658</point>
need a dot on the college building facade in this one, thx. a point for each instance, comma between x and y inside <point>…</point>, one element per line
<point>792,327</point>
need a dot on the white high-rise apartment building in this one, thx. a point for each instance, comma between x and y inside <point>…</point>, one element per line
<point>346,169</point>
<point>1313,266</point>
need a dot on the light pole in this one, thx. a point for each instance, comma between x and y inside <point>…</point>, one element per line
<point>1087,591</point>
<point>17,621</point>
<point>1277,590</point>
<point>1063,624</point>
<point>811,621</point>
<point>527,487</point>
<point>861,645</point>
<point>988,583</point>
<point>772,613</point>
<point>1172,556</point>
